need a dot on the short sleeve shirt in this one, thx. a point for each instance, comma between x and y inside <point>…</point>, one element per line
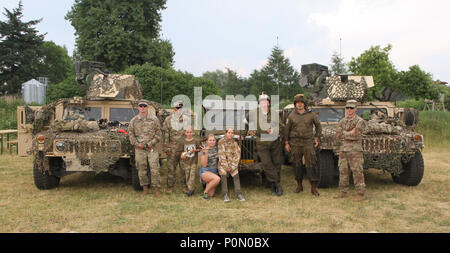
<point>213,158</point>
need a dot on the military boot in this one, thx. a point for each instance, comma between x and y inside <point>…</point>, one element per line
<point>157,193</point>
<point>278,189</point>
<point>299,186</point>
<point>144,190</point>
<point>359,197</point>
<point>273,188</point>
<point>340,195</point>
<point>314,188</point>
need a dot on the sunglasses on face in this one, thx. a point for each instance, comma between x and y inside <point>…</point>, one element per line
<point>143,106</point>
<point>348,108</point>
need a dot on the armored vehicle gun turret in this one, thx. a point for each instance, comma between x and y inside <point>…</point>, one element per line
<point>85,134</point>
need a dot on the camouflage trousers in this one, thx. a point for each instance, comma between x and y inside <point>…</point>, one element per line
<point>270,155</point>
<point>351,162</point>
<point>173,160</point>
<point>236,181</point>
<point>307,153</point>
<point>151,157</point>
<point>189,169</point>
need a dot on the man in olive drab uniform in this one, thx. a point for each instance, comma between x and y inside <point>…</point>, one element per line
<point>173,131</point>
<point>300,142</point>
<point>269,150</point>
<point>144,132</point>
<point>351,157</point>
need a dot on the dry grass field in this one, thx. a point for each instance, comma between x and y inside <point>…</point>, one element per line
<point>104,203</point>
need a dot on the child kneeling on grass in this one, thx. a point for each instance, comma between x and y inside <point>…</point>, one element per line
<point>209,174</point>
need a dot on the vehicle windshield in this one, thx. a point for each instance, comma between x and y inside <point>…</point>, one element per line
<point>361,111</point>
<point>330,114</point>
<point>74,112</point>
<point>122,114</point>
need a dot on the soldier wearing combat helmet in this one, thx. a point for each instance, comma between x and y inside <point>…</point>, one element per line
<point>301,141</point>
<point>145,132</point>
<point>351,158</point>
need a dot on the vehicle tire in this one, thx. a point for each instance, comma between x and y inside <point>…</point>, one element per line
<point>327,170</point>
<point>413,171</point>
<point>43,180</point>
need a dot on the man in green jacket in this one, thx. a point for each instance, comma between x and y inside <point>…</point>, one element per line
<point>301,142</point>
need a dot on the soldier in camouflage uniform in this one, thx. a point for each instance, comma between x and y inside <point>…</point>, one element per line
<point>269,149</point>
<point>300,142</point>
<point>229,155</point>
<point>173,131</point>
<point>351,158</point>
<point>145,132</point>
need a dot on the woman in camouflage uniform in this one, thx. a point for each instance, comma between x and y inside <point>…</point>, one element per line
<point>229,156</point>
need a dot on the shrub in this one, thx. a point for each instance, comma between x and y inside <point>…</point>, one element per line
<point>412,103</point>
<point>434,126</point>
<point>8,113</point>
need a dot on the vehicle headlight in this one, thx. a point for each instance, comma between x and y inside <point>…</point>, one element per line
<point>60,146</point>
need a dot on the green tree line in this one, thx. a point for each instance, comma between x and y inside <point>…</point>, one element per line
<point>126,36</point>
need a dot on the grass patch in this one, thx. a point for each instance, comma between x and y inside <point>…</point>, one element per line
<point>435,126</point>
<point>104,203</point>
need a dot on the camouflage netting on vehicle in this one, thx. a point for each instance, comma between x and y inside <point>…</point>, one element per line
<point>342,90</point>
<point>29,119</point>
<point>101,161</point>
<point>75,126</point>
<point>114,86</point>
<point>161,113</point>
<point>90,146</point>
<point>390,162</point>
<point>374,127</point>
<point>43,117</point>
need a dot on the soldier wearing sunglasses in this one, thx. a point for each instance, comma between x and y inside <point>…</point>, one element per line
<point>145,132</point>
<point>351,158</point>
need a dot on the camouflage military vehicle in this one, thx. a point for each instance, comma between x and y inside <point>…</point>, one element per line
<point>85,134</point>
<point>235,113</point>
<point>227,114</point>
<point>390,143</point>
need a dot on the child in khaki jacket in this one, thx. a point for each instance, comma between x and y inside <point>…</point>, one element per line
<point>229,156</point>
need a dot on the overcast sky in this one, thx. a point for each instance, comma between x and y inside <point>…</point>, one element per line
<point>240,34</point>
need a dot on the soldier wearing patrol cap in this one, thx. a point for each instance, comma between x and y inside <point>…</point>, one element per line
<point>144,132</point>
<point>173,132</point>
<point>351,158</point>
<point>301,141</point>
